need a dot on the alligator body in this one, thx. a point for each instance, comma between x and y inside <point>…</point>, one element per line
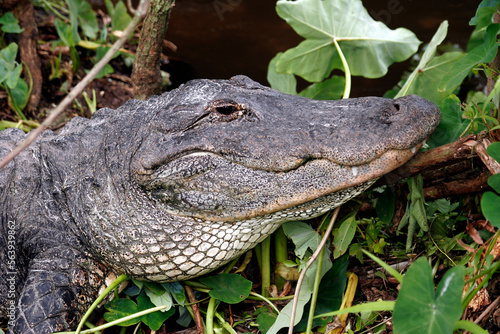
<point>176,186</point>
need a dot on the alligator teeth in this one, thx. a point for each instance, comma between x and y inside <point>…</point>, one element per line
<point>355,171</point>
<point>413,149</point>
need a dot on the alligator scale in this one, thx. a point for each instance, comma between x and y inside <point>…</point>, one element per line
<point>175,186</point>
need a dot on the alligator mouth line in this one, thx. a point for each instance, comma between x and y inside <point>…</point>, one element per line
<point>208,186</point>
<point>304,161</point>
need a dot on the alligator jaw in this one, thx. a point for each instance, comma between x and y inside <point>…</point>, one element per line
<point>238,193</point>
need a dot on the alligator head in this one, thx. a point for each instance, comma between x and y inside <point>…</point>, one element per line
<point>220,164</point>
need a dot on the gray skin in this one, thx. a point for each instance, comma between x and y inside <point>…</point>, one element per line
<point>176,186</point>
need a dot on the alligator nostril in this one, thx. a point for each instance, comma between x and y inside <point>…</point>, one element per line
<point>396,105</point>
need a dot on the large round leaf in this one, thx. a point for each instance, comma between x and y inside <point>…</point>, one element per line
<point>490,202</point>
<point>419,309</point>
<point>369,46</point>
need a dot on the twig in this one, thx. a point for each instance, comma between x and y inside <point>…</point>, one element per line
<point>308,264</point>
<point>141,11</point>
<point>487,312</point>
<point>196,309</point>
<point>459,150</point>
<point>490,163</point>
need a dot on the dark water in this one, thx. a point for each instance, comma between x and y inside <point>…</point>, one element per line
<point>221,38</point>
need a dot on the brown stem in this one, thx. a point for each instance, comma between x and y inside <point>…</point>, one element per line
<point>452,169</point>
<point>446,155</point>
<point>458,187</point>
<point>196,309</point>
<point>28,52</point>
<point>146,75</point>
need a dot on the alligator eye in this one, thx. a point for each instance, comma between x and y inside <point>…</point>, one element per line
<point>227,110</point>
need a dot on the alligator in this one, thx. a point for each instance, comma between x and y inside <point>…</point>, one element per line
<point>178,185</point>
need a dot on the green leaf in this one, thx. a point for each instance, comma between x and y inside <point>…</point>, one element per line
<point>426,57</point>
<point>160,299</point>
<point>494,182</point>
<point>120,18</point>
<point>331,89</point>
<point>493,151</point>
<point>283,320</point>
<point>64,32</point>
<point>332,286</point>
<point>426,82</point>
<point>75,58</point>
<point>416,185</point>
<point>265,321</point>
<point>385,205</point>
<point>469,326</point>
<point>9,54</point>
<point>133,289</point>
<point>152,320</point>
<point>229,288</point>
<point>283,82</point>
<point>4,70</point>
<point>20,94</point>
<point>344,236</point>
<point>332,289</point>
<point>419,309</point>
<point>490,202</point>
<point>303,236</point>
<point>380,305</point>
<point>384,265</point>
<point>484,13</point>
<point>81,13</point>
<point>120,308</point>
<point>369,46</point>
<point>425,79</point>
<point>177,291</point>
<point>452,124</point>
<point>415,210</point>
<point>483,53</point>
<point>14,77</point>
<point>10,24</point>
<point>154,287</point>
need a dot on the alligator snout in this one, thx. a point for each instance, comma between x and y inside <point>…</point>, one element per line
<point>247,151</point>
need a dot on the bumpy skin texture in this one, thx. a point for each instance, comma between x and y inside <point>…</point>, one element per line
<point>173,187</point>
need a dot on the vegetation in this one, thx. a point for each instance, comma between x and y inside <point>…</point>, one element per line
<point>444,237</point>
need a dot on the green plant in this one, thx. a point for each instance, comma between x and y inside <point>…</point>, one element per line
<point>83,18</point>
<point>10,80</point>
<point>17,89</point>
<point>420,306</point>
<point>356,48</point>
<point>490,203</point>
<point>10,25</point>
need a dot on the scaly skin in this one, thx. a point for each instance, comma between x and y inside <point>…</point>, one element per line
<point>176,186</point>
